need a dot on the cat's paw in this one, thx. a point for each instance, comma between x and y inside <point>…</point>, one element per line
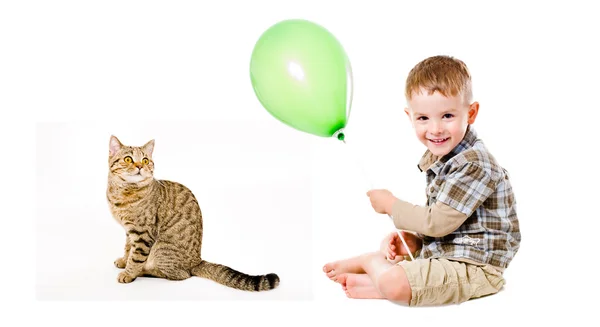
<point>124,278</point>
<point>120,263</point>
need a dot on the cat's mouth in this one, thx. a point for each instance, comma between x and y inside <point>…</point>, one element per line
<point>135,178</point>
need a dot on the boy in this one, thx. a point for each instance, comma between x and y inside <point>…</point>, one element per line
<point>468,232</point>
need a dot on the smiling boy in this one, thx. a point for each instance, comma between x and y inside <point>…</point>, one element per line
<point>468,232</point>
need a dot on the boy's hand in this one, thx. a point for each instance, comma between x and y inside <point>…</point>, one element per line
<point>382,201</point>
<point>393,248</point>
<point>386,246</point>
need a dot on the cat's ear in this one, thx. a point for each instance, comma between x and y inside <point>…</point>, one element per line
<point>148,148</point>
<point>114,146</point>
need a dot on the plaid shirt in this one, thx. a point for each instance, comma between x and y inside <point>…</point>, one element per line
<point>470,180</point>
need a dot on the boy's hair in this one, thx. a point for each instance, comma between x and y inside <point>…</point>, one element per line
<point>444,74</point>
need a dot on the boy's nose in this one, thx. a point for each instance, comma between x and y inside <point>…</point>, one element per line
<point>436,128</point>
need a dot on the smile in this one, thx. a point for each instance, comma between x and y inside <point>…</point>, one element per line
<point>438,141</point>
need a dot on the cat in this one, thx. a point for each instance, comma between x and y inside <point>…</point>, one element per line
<point>163,224</point>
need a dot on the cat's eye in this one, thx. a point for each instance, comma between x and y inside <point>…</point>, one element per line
<point>128,159</point>
<point>145,161</point>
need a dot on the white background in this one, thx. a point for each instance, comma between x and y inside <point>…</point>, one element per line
<point>534,68</point>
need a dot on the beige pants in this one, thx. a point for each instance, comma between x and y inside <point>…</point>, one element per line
<point>442,281</point>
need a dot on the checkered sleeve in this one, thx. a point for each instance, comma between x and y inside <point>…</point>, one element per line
<point>466,188</point>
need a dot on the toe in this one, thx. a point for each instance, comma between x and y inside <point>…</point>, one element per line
<point>331,274</point>
<point>342,280</point>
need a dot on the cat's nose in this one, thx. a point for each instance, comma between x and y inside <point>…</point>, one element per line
<point>138,165</point>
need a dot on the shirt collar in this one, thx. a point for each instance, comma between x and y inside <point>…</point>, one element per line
<point>430,161</point>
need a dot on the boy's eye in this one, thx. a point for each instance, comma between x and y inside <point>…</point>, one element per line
<point>422,118</point>
<point>145,161</point>
<point>448,115</point>
<point>128,159</point>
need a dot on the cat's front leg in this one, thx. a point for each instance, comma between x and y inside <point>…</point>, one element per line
<point>122,262</point>
<point>140,244</point>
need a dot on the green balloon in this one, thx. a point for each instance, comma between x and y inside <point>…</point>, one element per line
<point>302,76</point>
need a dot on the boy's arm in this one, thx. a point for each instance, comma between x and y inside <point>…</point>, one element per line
<point>461,193</point>
<point>436,220</point>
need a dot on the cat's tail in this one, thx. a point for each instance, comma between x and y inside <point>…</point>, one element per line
<point>233,278</point>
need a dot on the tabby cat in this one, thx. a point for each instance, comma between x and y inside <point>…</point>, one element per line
<point>163,224</point>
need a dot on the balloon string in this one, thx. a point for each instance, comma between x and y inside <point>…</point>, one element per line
<point>362,168</point>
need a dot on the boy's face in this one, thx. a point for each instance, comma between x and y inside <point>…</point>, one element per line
<point>440,122</point>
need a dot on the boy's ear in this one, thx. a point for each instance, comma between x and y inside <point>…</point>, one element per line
<point>473,110</point>
<point>407,111</point>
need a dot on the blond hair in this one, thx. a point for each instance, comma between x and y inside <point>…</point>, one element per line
<point>444,74</point>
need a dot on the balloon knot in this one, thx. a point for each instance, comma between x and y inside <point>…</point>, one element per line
<point>341,136</point>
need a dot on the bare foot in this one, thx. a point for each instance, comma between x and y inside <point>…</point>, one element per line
<point>358,286</point>
<point>354,280</point>
<point>352,265</point>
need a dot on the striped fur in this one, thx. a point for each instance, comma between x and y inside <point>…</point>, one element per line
<point>163,224</point>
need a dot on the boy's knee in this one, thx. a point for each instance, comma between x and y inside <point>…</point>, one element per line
<point>394,285</point>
